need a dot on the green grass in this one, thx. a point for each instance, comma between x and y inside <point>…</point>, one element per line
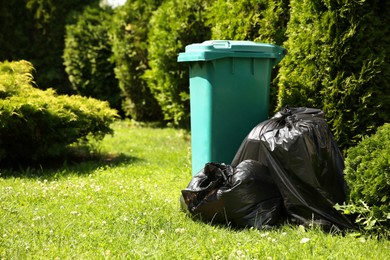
<point>126,205</point>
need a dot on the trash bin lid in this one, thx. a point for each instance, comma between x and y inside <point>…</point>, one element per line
<point>217,49</point>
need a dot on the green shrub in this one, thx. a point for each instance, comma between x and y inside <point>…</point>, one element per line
<point>37,124</point>
<point>174,25</point>
<point>252,20</point>
<point>236,20</point>
<point>338,62</point>
<point>273,22</point>
<point>367,172</point>
<point>129,35</point>
<point>46,40</point>
<point>87,56</point>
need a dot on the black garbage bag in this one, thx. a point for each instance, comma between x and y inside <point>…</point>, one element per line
<point>243,196</point>
<point>299,151</point>
<point>249,148</point>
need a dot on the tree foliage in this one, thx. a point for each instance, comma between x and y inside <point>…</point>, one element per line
<point>34,30</point>
<point>339,61</point>
<point>236,19</point>
<point>253,20</point>
<point>369,162</point>
<point>273,22</point>
<point>130,47</point>
<point>88,56</point>
<point>367,171</point>
<point>173,26</point>
<point>338,55</point>
<point>15,33</point>
<point>37,124</point>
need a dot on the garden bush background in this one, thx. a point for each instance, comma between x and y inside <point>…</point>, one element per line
<point>40,125</point>
<point>338,60</point>
<point>338,57</point>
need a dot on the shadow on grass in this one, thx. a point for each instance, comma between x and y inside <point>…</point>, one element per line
<point>73,163</point>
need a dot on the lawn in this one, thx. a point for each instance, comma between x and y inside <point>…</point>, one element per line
<point>126,206</point>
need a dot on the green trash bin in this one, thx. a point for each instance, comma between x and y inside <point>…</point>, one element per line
<point>229,95</point>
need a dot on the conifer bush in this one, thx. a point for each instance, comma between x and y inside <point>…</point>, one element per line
<point>236,20</point>
<point>367,172</point>
<point>252,20</point>
<point>87,56</point>
<point>338,61</point>
<point>129,35</point>
<point>174,25</point>
<point>37,124</point>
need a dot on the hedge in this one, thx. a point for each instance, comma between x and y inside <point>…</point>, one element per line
<point>38,124</point>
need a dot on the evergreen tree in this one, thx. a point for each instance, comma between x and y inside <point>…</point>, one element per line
<point>15,32</point>
<point>173,26</point>
<point>34,30</point>
<point>87,56</point>
<point>339,61</point>
<point>130,48</point>
<point>236,19</point>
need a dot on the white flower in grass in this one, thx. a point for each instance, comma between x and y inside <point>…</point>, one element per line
<point>264,234</point>
<point>301,228</point>
<point>304,240</point>
<point>240,252</point>
<point>180,230</point>
<point>162,232</point>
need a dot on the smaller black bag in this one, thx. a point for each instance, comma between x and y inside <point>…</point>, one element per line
<point>244,196</point>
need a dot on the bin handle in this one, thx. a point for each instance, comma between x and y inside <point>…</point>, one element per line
<point>221,44</point>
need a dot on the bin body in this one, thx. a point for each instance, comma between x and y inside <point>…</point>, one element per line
<point>229,95</point>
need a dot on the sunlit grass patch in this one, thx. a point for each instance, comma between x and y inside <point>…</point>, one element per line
<point>130,210</point>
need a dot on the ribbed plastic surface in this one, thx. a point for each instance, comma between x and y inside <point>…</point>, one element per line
<point>229,95</point>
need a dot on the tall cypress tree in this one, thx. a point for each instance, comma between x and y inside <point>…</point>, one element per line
<point>87,56</point>
<point>15,32</point>
<point>130,48</point>
<point>34,30</point>
<point>173,26</point>
<point>339,61</point>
